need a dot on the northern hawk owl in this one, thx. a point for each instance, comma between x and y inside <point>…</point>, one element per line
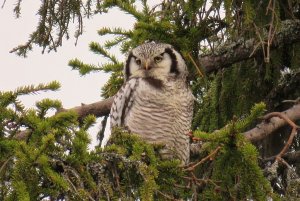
<point>155,101</point>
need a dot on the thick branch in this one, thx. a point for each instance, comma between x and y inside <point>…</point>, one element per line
<point>258,133</point>
<point>263,129</point>
<point>99,109</point>
<point>288,33</point>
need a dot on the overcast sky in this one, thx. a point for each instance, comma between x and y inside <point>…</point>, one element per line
<point>43,68</point>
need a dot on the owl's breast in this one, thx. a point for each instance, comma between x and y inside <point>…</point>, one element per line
<point>160,114</point>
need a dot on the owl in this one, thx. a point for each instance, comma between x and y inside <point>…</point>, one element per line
<point>155,101</point>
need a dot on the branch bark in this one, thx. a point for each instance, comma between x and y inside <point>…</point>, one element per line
<point>99,109</point>
<point>258,133</point>
<point>261,131</point>
<point>240,50</point>
<point>266,128</point>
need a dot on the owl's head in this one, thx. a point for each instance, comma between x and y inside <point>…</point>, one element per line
<point>155,60</point>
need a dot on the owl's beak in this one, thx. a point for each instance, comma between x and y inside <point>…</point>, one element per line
<point>147,65</point>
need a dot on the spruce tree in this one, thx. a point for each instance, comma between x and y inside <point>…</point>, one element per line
<point>243,59</point>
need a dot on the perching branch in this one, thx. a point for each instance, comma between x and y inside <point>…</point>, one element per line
<point>242,50</point>
<point>258,133</point>
<point>99,109</point>
<point>261,131</point>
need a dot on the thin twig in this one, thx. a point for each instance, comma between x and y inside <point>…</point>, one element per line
<point>260,39</point>
<point>208,157</point>
<point>166,196</point>
<point>194,63</point>
<point>296,101</point>
<point>272,30</point>
<point>293,132</point>
<point>282,161</point>
<point>289,142</point>
<point>254,50</point>
<point>5,163</point>
<point>3,4</point>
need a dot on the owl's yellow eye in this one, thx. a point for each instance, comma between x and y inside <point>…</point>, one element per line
<point>158,59</point>
<point>138,61</point>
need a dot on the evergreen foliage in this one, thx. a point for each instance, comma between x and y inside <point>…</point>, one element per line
<point>48,157</point>
<point>54,161</point>
<point>235,174</point>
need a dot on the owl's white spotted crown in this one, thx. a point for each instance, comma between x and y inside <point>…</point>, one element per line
<point>150,49</point>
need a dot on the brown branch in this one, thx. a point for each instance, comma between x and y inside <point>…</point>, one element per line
<point>166,196</point>
<point>258,133</point>
<point>240,50</point>
<point>264,129</point>
<point>195,65</point>
<point>99,109</point>
<point>292,135</point>
<point>208,157</point>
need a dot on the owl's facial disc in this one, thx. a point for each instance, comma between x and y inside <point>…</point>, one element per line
<point>155,66</point>
<point>155,61</point>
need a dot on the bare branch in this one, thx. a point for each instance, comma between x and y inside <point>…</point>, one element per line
<point>208,157</point>
<point>292,135</point>
<point>258,133</point>
<point>99,109</point>
<point>264,129</point>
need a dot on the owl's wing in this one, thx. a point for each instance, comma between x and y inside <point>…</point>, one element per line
<point>122,103</point>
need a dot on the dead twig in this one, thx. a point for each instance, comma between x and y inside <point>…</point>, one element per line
<point>201,181</point>
<point>292,135</point>
<point>166,196</point>
<point>208,157</point>
<point>266,128</point>
<point>272,29</point>
<point>196,66</point>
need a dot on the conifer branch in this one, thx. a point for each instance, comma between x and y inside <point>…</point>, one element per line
<point>261,131</point>
<point>264,129</point>
<point>244,49</point>
<point>99,109</point>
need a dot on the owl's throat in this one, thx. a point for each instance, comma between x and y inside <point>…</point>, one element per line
<point>154,82</point>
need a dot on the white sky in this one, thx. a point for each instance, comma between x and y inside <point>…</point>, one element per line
<point>38,68</point>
